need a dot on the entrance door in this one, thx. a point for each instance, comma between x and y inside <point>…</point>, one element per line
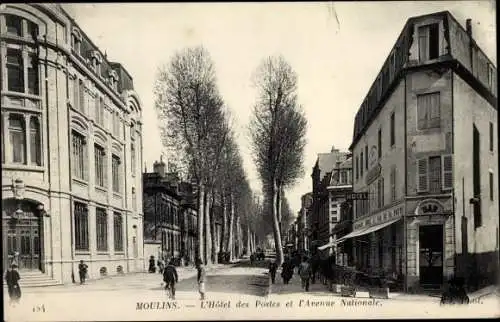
<point>431,255</point>
<point>20,235</point>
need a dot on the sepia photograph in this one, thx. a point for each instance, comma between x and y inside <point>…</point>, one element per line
<point>249,161</point>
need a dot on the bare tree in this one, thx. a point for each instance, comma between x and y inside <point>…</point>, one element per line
<point>278,130</point>
<point>189,108</point>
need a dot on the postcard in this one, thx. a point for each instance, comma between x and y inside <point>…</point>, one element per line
<point>249,161</point>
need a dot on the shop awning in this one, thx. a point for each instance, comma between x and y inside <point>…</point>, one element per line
<point>368,230</point>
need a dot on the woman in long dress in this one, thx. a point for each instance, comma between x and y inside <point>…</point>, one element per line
<point>12,278</point>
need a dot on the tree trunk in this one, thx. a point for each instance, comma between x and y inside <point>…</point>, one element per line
<point>276,228</point>
<point>223,238</point>
<point>200,239</point>
<point>238,237</point>
<point>214,231</point>
<point>249,244</point>
<point>208,234</point>
<point>229,245</point>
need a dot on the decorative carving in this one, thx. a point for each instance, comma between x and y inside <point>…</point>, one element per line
<point>18,189</point>
<point>429,207</point>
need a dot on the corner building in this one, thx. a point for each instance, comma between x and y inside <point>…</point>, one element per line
<point>71,150</point>
<point>425,150</point>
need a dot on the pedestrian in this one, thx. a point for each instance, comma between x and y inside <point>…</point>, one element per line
<point>82,271</point>
<point>161,265</point>
<point>12,278</point>
<point>152,267</point>
<point>273,267</point>
<point>252,259</point>
<point>287,271</point>
<point>170,277</point>
<point>315,263</point>
<point>201,278</point>
<point>305,273</point>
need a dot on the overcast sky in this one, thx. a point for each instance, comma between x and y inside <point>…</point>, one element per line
<point>336,49</point>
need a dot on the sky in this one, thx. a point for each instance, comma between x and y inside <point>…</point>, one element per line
<point>336,49</point>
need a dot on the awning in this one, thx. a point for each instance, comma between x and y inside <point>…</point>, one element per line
<point>365,231</point>
<point>328,245</point>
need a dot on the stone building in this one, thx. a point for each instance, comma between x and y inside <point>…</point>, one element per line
<point>303,222</point>
<point>329,175</point>
<point>425,153</point>
<point>338,188</point>
<point>170,215</point>
<point>71,149</point>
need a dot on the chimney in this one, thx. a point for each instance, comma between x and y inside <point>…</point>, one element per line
<point>159,167</point>
<point>468,27</point>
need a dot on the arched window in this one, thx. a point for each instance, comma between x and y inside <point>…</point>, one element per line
<point>17,135</point>
<point>35,142</point>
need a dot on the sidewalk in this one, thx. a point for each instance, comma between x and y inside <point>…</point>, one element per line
<point>318,289</point>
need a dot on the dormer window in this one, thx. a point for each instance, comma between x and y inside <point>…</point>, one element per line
<point>76,41</point>
<point>113,79</point>
<point>97,61</point>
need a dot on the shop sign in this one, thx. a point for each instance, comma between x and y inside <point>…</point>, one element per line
<point>381,217</point>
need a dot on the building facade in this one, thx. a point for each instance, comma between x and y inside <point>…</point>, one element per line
<point>425,154</point>
<point>170,216</point>
<point>303,222</point>
<point>72,143</point>
<point>328,173</point>
<point>339,187</point>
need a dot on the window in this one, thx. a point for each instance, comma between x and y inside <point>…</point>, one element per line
<point>366,157</point>
<point>491,76</point>
<point>17,138</point>
<point>81,95</point>
<point>79,155</point>
<point>115,163</point>
<point>447,168</point>
<point>33,86</point>
<point>334,219</point>
<point>15,70</point>
<point>422,184</point>
<point>81,227</point>
<point>32,29</point>
<point>357,168</point>
<point>118,231</point>
<point>102,229</point>
<point>428,42</point>
<point>361,162</point>
<point>380,193</point>
<point>333,212</point>
<point>100,165</point>
<point>435,174</point>
<point>393,184</point>
<point>35,144</point>
<point>379,143</point>
<point>132,155</point>
<point>14,25</point>
<point>428,110</point>
<point>491,186</point>
<point>393,130</point>
<point>492,136</point>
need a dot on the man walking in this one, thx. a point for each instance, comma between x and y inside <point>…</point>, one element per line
<point>201,278</point>
<point>273,267</point>
<point>82,271</point>
<point>305,273</point>
<point>170,277</point>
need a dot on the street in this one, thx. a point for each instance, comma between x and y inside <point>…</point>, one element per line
<point>237,290</point>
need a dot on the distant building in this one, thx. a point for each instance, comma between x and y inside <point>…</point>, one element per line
<point>425,152</point>
<point>303,222</point>
<point>326,197</point>
<point>71,149</point>
<point>340,185</point>
<point>170,215</point>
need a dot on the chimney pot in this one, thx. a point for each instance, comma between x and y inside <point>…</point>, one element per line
<point>468,26</point>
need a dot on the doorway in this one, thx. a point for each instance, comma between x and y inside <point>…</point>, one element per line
<point>21,235</point>
<point>431,255</point>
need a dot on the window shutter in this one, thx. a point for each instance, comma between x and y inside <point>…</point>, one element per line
<point>447,172</point>
<point>422,177</point>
